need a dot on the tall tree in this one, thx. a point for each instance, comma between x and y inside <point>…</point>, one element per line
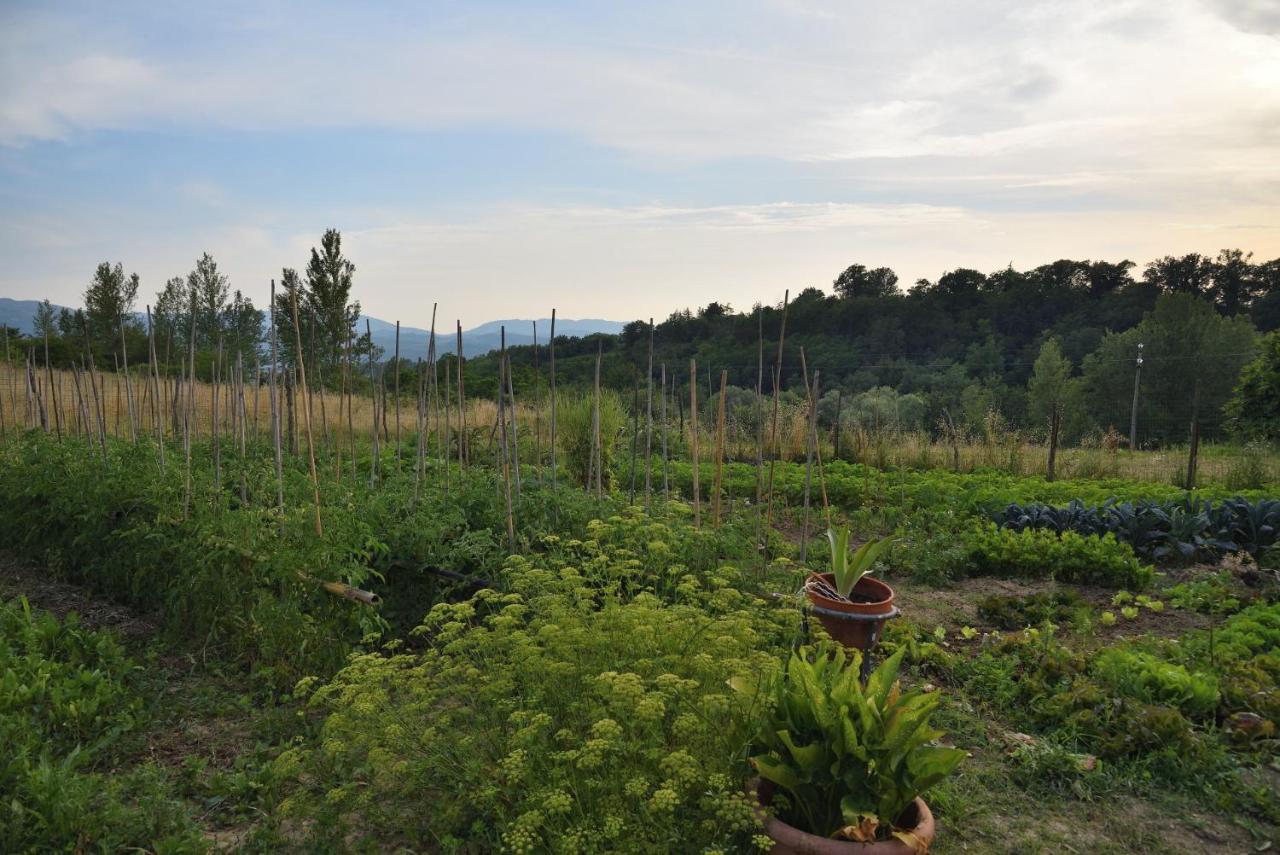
<point>858,281</point>
<point>1233,286</point>
<point>1048,390</point>
<point>1254,409</point>
<point>109,299</point>
<point>171,315</point>
<point>1192,357</point>
<point>209,289</point>
<point>242,326</point>
<point>1186,274</point>
<point>45,321</point>
<point>328,296</point>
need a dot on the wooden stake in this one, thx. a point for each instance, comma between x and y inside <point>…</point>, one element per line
<point>503,451</point>
<point>666,475</point>
<point>275,404</point>
<point>648,427</point>
<point>396,381</point>
<point>693,441</point>
<point>53,394</point>
<point>777,383</point>
<point>463,444</point>
<point>597,448</point>
<point>719,477</point>
<point>373,461</point>
<point>552,342</point>
<point>306,415</point>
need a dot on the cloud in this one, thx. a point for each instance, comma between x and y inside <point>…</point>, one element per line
<point>789,138</point>
<point>1258,16</point>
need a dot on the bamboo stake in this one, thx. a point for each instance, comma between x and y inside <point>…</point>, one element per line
<point>552,343</point>
<point>666,475</point>
<point>98,412</point>
<point>155,400</point>
<point>537,409</point>
<point>810,439</point>
<point>448,428</point>
<point>433,357</point>
<point>693,440</point>
<point>275,404</point>
<point>719,477</point>
<point>13,387</point>
<point>420,412</point>
<point>648,428</point>
<point>82,415</point>
<point>760,430</point>
<point>777,383</point>
<point>306,416</point>
<point>215,425</point>
<point>463,444</point>
<point>351,399</point>
<point>515,429</point>
<point>34,383</point>
<point>597,445</point>
<point>53,394</point>
<point>128,387</point>
<point>396,381</point>
<point>373,462</point>
<point>502,453</point>
<point>635,436</point>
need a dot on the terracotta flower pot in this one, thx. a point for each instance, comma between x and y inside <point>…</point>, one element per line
<point>788,840</point>
<point>856,623</point>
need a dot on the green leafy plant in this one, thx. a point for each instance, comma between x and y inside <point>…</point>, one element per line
<point>65,707</point>
<point>849,569</point>
<point>1069,557</point>
<point>848,759</point>
<point>1145,677</point>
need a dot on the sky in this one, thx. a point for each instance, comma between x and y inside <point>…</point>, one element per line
<point>626,160</point>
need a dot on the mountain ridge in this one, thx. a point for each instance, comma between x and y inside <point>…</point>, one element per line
<point>476,341</point>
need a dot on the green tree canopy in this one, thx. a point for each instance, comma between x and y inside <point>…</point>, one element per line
<point>108,302</point>
<point>1254,409</point>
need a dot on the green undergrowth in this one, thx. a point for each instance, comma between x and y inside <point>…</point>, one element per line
<point>229,571</point>
<point>68,706</point>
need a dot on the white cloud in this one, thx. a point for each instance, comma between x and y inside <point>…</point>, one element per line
<point>1022,131</point>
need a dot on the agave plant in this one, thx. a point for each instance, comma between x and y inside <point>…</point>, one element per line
<point>848,569</point>
<point>849,759</point>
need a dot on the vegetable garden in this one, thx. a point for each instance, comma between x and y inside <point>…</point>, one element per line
<point>495,628</point>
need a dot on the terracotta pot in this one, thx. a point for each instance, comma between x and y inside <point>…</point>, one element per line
<point>853,624</point>
<point>788,840</point>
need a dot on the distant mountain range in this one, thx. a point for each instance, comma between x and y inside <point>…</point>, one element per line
<point>18,314</point>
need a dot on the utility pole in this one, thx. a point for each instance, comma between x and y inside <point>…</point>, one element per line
<point>1133,411</point>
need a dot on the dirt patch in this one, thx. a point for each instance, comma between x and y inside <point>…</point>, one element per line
<point>22,579</point>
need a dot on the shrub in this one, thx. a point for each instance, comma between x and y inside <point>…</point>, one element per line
<point>555,717</point>
<point>1069,557</point>
<point>574,426</point>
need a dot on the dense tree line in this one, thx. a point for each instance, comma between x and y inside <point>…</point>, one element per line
<point>965,347</point>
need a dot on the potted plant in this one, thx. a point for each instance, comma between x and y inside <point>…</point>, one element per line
<point>842,766</point>
<point>851,604</point>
